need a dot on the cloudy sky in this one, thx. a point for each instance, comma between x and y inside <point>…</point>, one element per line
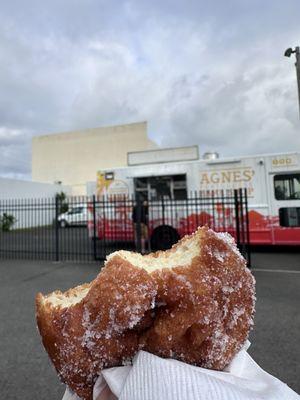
<point>200,72</point>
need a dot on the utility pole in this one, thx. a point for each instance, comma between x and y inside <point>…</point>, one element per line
<point>288,53</point>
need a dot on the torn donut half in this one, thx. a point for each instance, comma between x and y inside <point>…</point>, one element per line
<point>194,302</point>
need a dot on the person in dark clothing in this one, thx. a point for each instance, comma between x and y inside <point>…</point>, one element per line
<point>143,220</point>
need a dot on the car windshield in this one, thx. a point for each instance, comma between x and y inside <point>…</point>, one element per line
<point>77,210</point>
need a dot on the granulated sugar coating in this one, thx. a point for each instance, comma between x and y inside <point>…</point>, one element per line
<point>194,303</point>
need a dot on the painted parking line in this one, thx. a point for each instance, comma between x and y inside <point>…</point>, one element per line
<point>283,271</point>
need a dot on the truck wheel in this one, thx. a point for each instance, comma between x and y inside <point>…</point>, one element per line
<point>163,237</point>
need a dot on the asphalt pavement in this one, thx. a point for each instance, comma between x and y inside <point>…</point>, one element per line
<point>27,374</point>
<point>47,243</point>
<point>275,338</point>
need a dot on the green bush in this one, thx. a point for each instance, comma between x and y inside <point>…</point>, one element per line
<point>62,204</point>
<point>6,222</point>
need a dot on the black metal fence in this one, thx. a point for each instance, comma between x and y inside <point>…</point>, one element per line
<point>89,228</point>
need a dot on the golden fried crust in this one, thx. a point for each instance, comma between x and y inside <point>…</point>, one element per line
<point>120,295</point>
<point>199,313</point>
<point>98,331</point>
<point>61,331</point>
<point>206,310</point>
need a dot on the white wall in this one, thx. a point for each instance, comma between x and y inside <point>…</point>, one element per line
<point>28,201</point>
<point>18,189</point>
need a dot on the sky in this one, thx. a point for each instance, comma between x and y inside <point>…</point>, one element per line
<point>210,73</point>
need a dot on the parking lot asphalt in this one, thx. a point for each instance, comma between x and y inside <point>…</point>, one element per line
<point>72,243</point>
<point>27,374</point>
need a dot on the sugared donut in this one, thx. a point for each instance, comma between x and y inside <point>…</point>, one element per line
<point>194,302</point>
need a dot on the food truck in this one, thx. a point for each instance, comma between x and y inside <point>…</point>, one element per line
<point>272,182</point>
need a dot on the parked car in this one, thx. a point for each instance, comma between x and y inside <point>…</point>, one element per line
<point>76,215</point>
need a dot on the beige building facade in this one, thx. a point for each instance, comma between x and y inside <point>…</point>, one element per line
<point>73,158</point>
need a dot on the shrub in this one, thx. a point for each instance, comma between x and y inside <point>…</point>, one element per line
<point>6,222</point>
<point>62,204</point>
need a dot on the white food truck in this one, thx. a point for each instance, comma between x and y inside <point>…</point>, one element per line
<point>272,182</point>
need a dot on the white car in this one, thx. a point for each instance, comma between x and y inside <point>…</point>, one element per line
<point>76,215</point>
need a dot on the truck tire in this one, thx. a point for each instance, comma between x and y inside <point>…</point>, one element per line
<point>163,237</point>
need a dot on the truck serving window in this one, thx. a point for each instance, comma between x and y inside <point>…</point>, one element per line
<point>287,187</point>
<point>161,187</point>
<point>289,216</point>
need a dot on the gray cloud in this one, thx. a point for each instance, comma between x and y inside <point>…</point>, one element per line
<point>202,73</point>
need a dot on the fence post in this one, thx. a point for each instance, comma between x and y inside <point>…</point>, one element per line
<point>56,228</point>
<point>242,223</point>
<point>94,226</point>
<point>247,229</point>
<point>237,218</point>
<point>163,210</point>
<point>138,229</point>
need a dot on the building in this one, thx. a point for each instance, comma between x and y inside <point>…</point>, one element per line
<point>73,158</point>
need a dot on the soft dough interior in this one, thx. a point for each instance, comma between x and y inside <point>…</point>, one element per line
<point>67,299</point>
<point>178,256</point>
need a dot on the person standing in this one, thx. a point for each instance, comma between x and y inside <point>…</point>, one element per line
<point>141,219</point>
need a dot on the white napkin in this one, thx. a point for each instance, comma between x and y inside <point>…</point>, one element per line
<point>154,378</point>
